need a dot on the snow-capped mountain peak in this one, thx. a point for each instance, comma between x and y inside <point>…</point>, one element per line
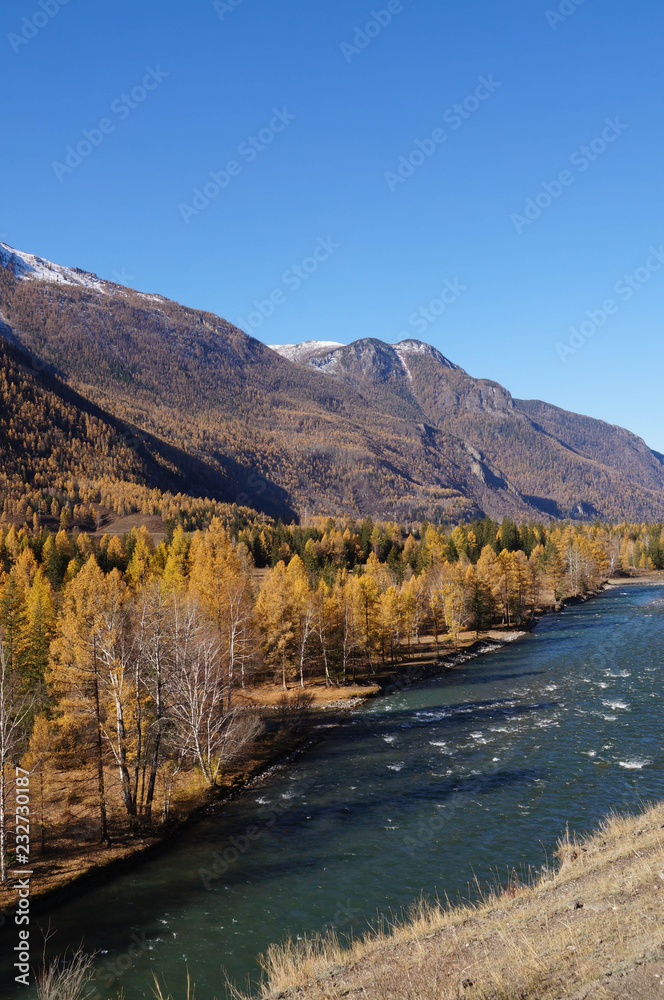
<point>27,265</point>
<point>419,347</point>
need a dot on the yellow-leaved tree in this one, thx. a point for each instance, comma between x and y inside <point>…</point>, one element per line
<point>74,675</point>
<point>220,580</point>
<point>276,616</point>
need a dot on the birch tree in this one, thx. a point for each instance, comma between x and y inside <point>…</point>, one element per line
<point>203,729</point>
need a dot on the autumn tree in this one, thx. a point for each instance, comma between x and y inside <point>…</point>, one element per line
<point>36,631</point>
<point>304,608</point>
<point>454,598</point>
<point>74,673</point>
<point>276,617</point>
<point>203,728</point>
<point>14,713</point>
<point>220,580</point>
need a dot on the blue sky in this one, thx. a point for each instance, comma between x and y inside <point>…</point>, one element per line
<point>181,88</point>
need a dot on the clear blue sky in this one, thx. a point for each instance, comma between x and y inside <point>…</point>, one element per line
<point>120,213</point>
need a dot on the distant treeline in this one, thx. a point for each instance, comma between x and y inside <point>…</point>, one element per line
<point>123,653</point>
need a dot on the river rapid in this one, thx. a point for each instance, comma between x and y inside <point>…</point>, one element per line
<point>424,791</point>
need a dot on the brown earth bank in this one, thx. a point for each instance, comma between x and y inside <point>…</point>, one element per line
<point>655,578</point>
<point>69,858</point>
<point>589,928</point>
<point>73,860</point>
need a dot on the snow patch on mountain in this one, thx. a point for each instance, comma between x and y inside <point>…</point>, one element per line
<point>305,351</point>
<point>27,265</point>
<point>400,354</point>
<point>419,347</point>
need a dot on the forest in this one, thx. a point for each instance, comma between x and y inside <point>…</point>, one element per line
<point>124,663</point>
<point>180,399</point>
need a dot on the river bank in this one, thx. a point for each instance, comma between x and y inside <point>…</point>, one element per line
<point>654,578</point>
<point>63,876</point>
<point>419,793</point>
<point>586,929</point>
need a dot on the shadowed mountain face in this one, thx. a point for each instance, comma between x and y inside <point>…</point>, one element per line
<point>395,431</point>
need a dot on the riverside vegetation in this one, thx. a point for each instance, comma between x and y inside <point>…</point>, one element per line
<point>158,642</point>
<point>131,670</point>
<point>588,927</point>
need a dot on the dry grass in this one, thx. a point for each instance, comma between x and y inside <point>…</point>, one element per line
<point>161,993</point>
<point>569,934</point>
<point>270,695</point>
<point>66,978</point>
<point>114,524</point>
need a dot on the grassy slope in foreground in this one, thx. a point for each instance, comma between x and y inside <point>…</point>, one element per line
<point>590,929</point>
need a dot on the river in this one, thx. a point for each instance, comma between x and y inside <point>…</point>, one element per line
<point>466,776</point>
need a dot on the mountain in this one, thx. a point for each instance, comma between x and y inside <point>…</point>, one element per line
<point>394,431</point>
<point>560,463</point>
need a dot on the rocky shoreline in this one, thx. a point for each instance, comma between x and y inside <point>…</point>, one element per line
<point>415,673</point>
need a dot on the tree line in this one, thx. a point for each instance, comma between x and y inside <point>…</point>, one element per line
<point>127,655</point>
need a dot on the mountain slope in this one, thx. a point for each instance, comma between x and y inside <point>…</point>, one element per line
<point>197,383</point>
<point>50,435</point>
<point>395,431</point>
<point>560,463</point>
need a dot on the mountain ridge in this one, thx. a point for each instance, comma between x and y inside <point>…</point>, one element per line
<point>587,437</point>
<point>368,428</point>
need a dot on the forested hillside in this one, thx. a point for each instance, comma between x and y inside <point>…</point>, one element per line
<point>559,463</point>
<point>201,385</point>
<point>369,429</point>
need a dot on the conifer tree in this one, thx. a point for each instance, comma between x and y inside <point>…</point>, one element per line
<point>221,582</point>
<point>276,617</point>
<point>37,627</point>
<point>74,674</point>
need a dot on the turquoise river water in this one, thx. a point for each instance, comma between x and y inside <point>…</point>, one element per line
<point>422,791</point>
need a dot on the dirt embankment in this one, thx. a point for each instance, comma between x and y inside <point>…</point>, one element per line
<point>591,928</point>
